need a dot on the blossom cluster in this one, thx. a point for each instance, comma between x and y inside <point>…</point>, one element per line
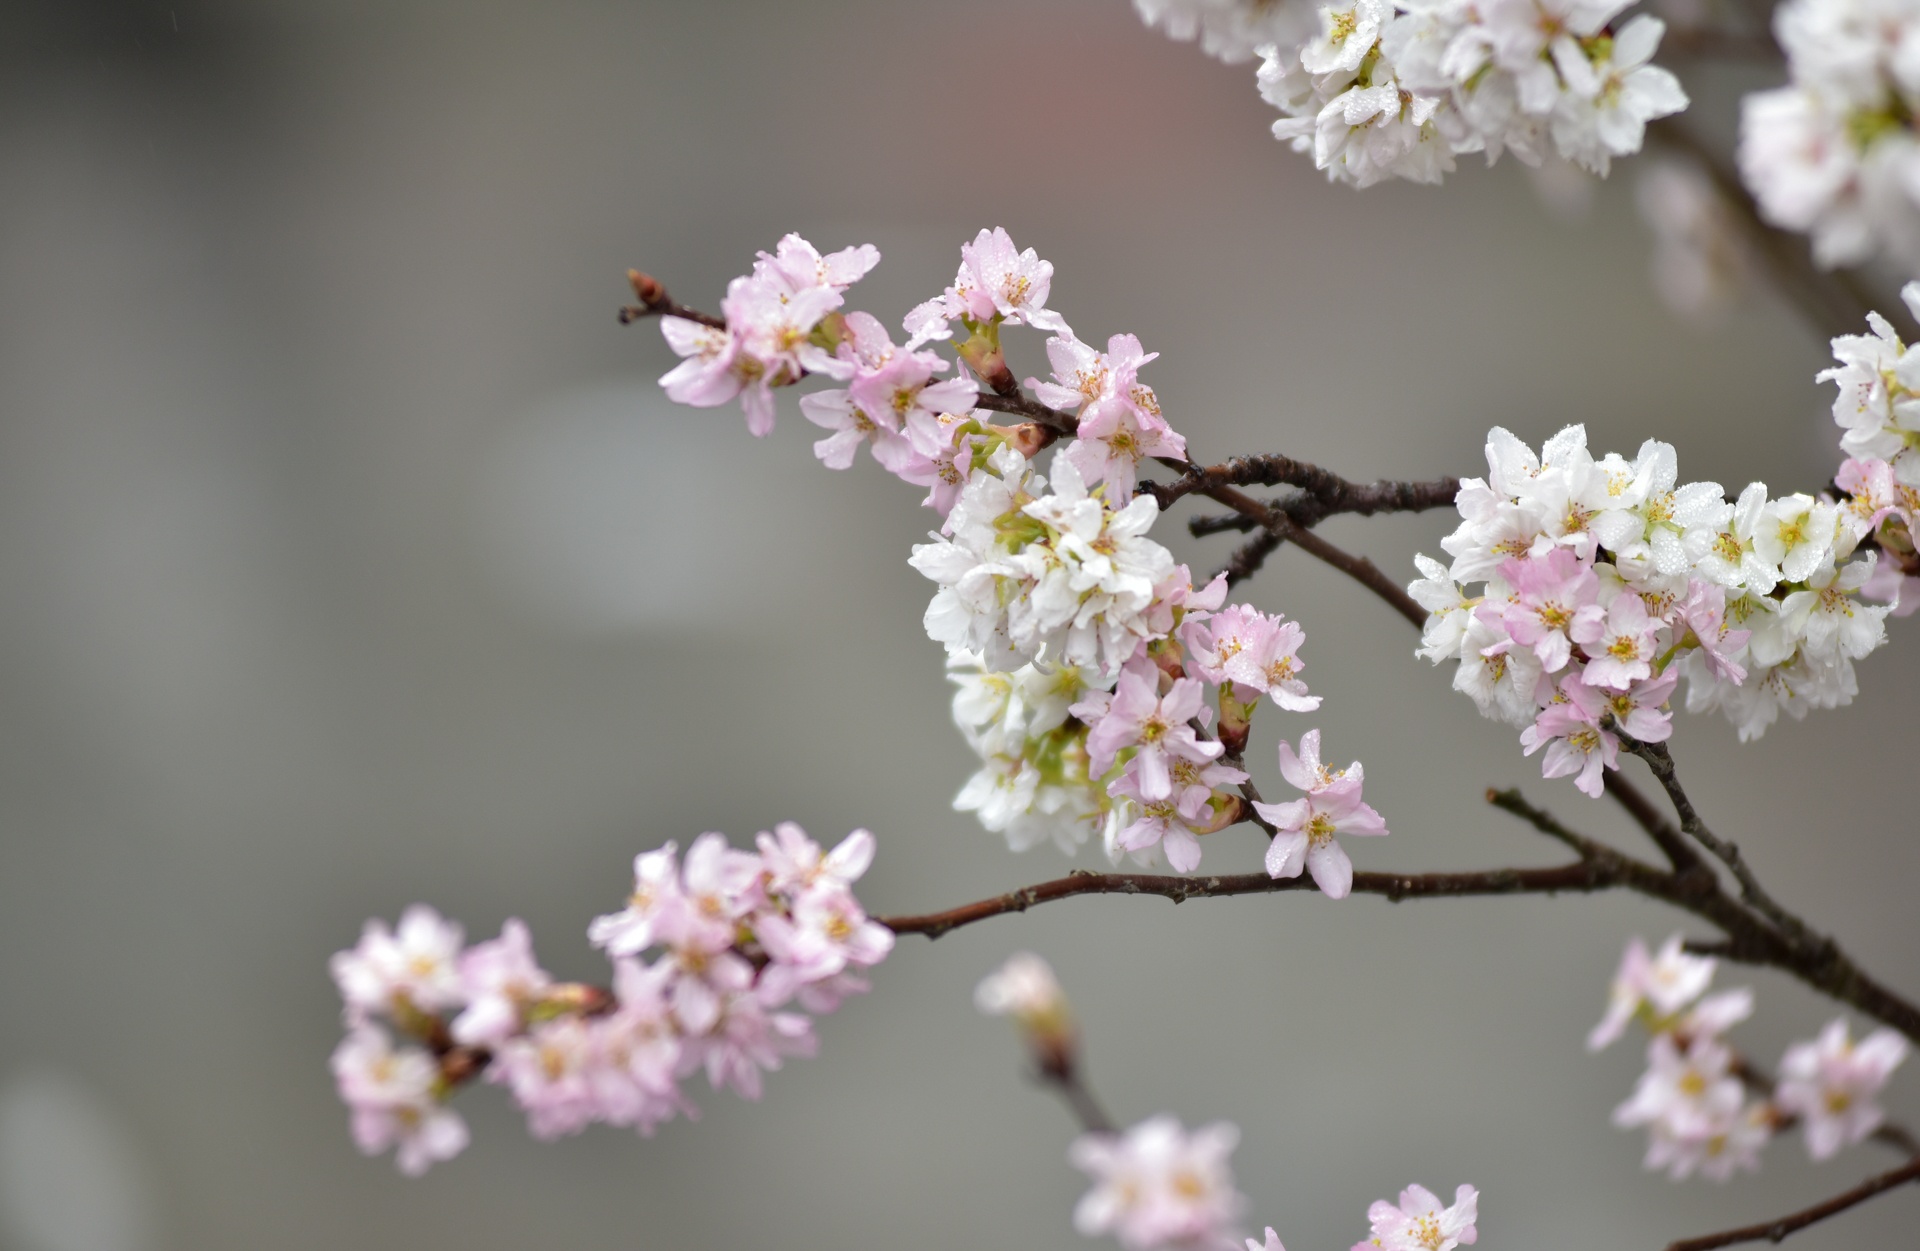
<point>1834,153</point>
<point>1159,1185</point>
<point>1083,654</point>
<point>1603,581</point>
<point>1704,1108</point>
<point>738,941</point>
<point>1378,89</point>
<point>1878,410</point>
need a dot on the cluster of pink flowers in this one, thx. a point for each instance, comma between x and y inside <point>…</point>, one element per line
<point>1158,1185</point>
<point>1606,580</point>
<point>1696,1098</point>
<point>1083,653</point>
<point>779,327</point>
<point>737,941</point>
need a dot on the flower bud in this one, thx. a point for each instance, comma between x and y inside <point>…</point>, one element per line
<point>1025,989</point>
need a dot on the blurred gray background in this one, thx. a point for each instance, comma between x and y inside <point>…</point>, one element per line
<point>352,557</point>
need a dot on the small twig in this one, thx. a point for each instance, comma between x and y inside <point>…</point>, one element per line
<point>1778,1229</point>
<point>1078,1096</point>
<point>655,302</point>
<point>1581,876</point>
<point>1678,852</point>
<point>1324,492</point>
<point>1660,760</point>
<point>1544,821</point>
<point>1021,404</point>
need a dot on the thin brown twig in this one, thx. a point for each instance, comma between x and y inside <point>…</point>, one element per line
<point>1324,492</point>
<point>655,302</point>
<point>1581,876</point>
<point>1779,1228</point>
<point>1660,759</point>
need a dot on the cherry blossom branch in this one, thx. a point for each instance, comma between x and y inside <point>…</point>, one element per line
<point>1813,957</point>
<point>1779,1228</point>
<point>1021,404</point>
<point>1676,848</point>
<point>1660,759</point>
<point>1750,938</point>
<point>1325,492</point>
<point>655,302</point>
<point>1581,876</point>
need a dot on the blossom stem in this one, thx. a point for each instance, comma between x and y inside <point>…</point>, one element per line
<point>1778,1229</point>
<point>655,302</point>
<point>1079,1098</point>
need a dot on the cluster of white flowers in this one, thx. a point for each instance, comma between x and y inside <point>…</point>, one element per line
<point>1697,1098</point>
<point>739,937</point>
<point>1604,581</point>
<point>1028,575</point>
<point>1834,153</point>
<point>1878,410</point>
<point>1033,785</point>
<point>1378,89</point>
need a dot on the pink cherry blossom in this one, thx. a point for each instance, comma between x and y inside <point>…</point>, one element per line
<point>1157,1185</point>
<point>412,968</point>
<point>1830,1083</point>
<point>748,1039</point>
<point>1620,647</point>
<point>653,909</point>
<point>1081,374</point>
<point>797,265</point>
<point>1113,438</point>
<point>1552,596</point>
<point>1569,728</point>
<point>1682,1087</point>
<point>1664,985</point>
<point>827,931</point>
<point>1154,725</point>
<point>1023,988</point>
<point>794,862</point>
<point>994,280</point>
<point>551,1071</point>
<point>1306,827</point>
<point>391,1094</point>
<point>1704,614</point>
<point>500,980</point>
<point>1421,1223</point>
<point>1173,822</point>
